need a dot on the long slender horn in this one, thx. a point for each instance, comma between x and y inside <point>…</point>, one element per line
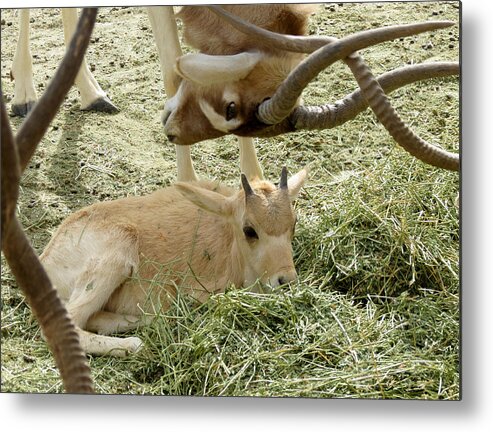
<point>10,171</point>
<point>246,186</point>
<point>281,105</point>
<point>402,134</point>
<point>285,98</point>
<point>332,115</point>
<point>372,93</point>
<point>283,183</point>
<point>271,40</point>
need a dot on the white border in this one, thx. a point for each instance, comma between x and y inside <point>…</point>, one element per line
<point>78,413</point>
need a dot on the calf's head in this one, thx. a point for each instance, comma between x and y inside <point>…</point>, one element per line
<point>263,222</point>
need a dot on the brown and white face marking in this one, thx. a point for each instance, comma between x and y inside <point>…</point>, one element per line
<point>197,113</point>
<point>232,73</point>
<point>219,95</point>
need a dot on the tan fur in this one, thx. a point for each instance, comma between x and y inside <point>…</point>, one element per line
<point>185,122</point>
<point>114,261</point>
<point>208,33</point>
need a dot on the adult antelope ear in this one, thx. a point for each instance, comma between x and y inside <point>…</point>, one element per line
<point>296,182</point>
<point>206,69</point>
<point>207,200</point>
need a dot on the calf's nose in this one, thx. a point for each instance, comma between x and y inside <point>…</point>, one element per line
<point>283,278</point>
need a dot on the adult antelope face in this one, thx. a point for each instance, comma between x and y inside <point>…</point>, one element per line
<point>220,95</point>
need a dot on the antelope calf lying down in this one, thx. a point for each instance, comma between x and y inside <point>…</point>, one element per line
<point>114,261</point>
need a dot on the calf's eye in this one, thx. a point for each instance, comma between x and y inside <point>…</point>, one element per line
<point>231,111</point>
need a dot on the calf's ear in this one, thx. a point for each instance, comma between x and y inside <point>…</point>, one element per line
<point>207,200</point>
<point>296,182</point>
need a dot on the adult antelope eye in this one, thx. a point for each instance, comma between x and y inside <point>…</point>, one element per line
<point>231,111</point>
<point>250,233</point>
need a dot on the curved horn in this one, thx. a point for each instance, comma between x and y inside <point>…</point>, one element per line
<point>272,40</point>
<point>58,329</point>
<point>285,98</point>
<point>10,171</point>
<point>372,93</point>
<point>246,186</point>
<point>332,115</point>
<point>283,184</point>
<point>402,134</point>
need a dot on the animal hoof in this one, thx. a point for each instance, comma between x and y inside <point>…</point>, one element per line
<point>102,105</point>
<point>133,344</point>
<point>21,110</point>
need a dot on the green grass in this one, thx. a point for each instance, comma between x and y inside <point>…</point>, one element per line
<point>297,342</point>
<point>375,312</point>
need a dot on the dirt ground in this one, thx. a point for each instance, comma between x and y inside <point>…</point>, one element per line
<point>87,157</point>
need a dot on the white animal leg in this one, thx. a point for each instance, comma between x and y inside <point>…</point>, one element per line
<point>249,163</point>
<point>92,97</point>
<point>22,70</point>
<point>104,322</point>
<point>86,262</point>
<point>184,164</point>
<point>165,32</point>
<point>108,345</point>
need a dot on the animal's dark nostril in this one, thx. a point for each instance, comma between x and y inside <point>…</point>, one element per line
<point>282,280</point>
<point>171,138</point>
